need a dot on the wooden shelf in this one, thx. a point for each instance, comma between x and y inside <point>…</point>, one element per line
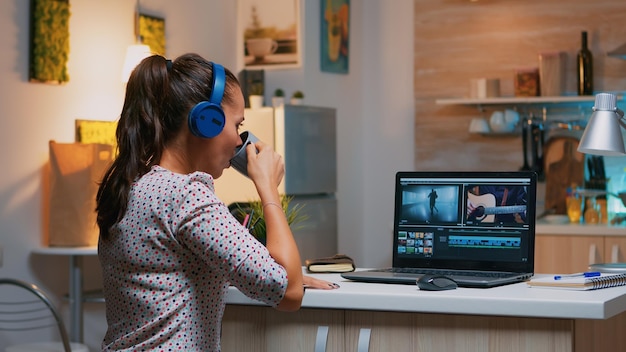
<point>517,100</point>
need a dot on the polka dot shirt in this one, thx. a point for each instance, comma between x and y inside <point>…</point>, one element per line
<point>168,263</point>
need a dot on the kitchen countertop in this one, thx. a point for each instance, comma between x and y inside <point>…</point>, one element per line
<point>545,228</point>
<point>509,300</point>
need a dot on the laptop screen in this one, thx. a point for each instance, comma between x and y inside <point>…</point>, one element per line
<point>465,220</point>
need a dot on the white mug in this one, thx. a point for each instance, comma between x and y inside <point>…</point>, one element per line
<point>479,125</point>
<point>261,47</point>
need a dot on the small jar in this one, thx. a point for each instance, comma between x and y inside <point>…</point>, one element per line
<point>592,215</point>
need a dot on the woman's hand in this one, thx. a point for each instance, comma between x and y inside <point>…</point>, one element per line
<point>311,282</point>
<point>266,168</point>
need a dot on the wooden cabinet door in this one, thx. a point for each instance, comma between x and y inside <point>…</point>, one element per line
<point>615,249</point>
<point>255,328</point>
<point>567,254</point>
<point>243,328</point>
<point>417,332</point>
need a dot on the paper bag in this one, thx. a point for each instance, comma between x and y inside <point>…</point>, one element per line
<point>75,172</point>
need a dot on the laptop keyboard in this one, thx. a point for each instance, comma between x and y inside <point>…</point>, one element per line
<point>421,271</point>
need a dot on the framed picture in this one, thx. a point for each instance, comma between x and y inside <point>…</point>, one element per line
<point>49,45</point>
<point>269,34</point>
<point>94,131</point>
<point>334,36</point>
<point>152,33</point>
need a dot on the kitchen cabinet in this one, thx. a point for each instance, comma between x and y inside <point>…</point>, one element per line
<point>563,253</point>
<point>361,317</point>
<point>398,331</point>
<point>567,254</point>
<point>261,329</point>
<point>615,249</point>
<point>258,328</point>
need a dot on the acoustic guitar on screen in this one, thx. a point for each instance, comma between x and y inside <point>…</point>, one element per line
<point>483,208</point>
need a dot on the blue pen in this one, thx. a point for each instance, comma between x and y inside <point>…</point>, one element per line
<point>585,274</point>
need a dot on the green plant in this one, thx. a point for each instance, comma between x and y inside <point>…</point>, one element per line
<point>298,94</point>
<point>279,92</point>
<point>293,212</point>
<point>256,88</point>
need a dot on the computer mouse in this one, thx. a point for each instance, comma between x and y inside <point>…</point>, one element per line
<point>436,283</point>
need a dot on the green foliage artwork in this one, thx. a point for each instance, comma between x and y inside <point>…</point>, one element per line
<point>152,33</point>
<point>50,41</point>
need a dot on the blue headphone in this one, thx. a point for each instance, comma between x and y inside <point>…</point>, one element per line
<point>206,119</point>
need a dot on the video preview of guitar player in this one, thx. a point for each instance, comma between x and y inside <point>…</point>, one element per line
<point>474,205</point>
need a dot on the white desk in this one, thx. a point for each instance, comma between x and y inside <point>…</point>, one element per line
<point>510,300</point>
<point>465,317</point>
<point>75,283</point>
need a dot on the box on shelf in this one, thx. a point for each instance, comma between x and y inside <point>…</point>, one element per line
<point>552,73</point>
<point>527,82</point>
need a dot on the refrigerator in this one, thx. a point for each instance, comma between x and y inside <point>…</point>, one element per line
<point>306,138</point>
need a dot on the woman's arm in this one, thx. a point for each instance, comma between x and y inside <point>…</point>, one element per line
<point>266,169</point>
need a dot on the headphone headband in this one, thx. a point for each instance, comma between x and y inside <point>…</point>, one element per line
<point>219,83</point>
<point>206,119</point>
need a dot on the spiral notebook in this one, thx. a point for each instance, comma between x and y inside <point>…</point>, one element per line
<point>605,280</point>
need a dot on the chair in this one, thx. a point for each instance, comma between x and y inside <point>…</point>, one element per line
<point>30,311</point>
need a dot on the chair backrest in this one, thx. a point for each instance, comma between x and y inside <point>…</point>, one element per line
<point>29,311</point>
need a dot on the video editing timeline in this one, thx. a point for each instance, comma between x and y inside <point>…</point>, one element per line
<point>484,241</point>
<point>440,218</point>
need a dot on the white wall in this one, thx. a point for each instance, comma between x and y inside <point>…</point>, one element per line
<point>374,102</point>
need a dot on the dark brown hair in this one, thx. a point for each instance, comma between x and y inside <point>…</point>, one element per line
<point>159,95</point>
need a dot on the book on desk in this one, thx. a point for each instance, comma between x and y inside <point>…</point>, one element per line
<point>339,263</point>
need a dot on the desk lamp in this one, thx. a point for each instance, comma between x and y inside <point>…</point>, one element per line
<point>603,136</point>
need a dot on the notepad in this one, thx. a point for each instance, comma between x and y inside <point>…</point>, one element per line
<point>339,263</point>
<point>605,280</point>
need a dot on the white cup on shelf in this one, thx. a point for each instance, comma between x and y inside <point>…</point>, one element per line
<point>479,125</point>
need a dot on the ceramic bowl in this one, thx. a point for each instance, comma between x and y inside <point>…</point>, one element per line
<point>556,219</point>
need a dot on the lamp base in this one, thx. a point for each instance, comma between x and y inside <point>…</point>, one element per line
<point>608,267</point>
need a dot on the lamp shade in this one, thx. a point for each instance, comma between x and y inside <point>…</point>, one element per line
<point>603,135</point>
<point>134,55</point>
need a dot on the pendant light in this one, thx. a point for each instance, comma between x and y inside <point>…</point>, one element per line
<point>136,52</point>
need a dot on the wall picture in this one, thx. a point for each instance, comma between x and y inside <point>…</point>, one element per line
<point>269,34</point>
<point>152,33</point>
<point>334,36</point>
<point>49,41</point>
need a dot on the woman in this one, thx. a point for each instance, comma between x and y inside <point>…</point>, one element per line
<point>169,248</point>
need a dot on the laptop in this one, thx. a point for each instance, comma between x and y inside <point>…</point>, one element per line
<point>477,228</point>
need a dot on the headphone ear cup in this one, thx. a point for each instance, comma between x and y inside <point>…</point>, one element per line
<point>206,120</point>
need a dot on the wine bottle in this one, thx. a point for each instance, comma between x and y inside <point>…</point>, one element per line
<point>585,68</point>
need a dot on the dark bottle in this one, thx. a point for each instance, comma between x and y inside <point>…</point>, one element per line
<point>585,68</point>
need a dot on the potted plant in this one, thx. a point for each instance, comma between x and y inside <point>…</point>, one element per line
<point>297,98</point>
<point>256,96</point>
<point>256,221</point>
<point>279,98</point>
